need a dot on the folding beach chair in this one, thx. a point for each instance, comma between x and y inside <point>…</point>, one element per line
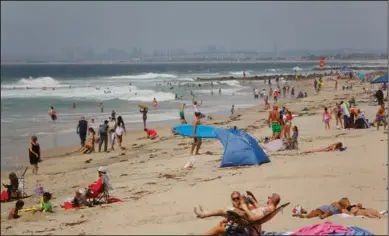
<point>240,224</point>
<point>102,198</point>
<point>21,189</point>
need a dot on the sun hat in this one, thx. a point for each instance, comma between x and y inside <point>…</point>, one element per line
<point>102,169</point>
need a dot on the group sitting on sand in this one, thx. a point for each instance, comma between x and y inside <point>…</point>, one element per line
<point>341,206</point>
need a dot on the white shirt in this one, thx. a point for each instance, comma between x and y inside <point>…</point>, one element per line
<point>195,108</point>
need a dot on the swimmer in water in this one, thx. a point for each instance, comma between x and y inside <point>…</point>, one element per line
<point>74,105</point>
<point>155,103</point>
<point>52,113</point>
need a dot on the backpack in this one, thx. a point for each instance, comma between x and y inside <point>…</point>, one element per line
<point>103,130</point>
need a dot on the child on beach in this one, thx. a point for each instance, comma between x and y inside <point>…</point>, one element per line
<point>151,133</point>
<point>14,213</point>
<point>45,204</point>
<point>326,118</point>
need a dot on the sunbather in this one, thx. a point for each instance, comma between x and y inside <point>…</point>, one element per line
<point>359,210</point>
<point>323,211</point>
<point>331,148</point>
<point>248,205</point>
<point>90,144</point>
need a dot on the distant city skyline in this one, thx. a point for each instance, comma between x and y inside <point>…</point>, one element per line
<point>44,30</point>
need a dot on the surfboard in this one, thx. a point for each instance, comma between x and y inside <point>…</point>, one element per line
<point>141,106</point>
<point>202,131</point>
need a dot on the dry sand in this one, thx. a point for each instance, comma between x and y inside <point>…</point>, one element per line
<point>159,195</point>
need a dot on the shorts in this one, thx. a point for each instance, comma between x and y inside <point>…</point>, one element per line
<point>82,138</point>
<point>53,117</point>
<point>326,122</point>
<point>197,141</point>
<point>275,127</point>
<point>326,208</point>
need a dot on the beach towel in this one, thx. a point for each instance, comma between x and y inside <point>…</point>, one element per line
<point>4,196</point>
<point>274,145</point>
<point>323,229</point>
<point>344,215</point>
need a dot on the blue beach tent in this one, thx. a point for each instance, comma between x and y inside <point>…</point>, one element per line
<point>380,80</point>
<point>240,149</point>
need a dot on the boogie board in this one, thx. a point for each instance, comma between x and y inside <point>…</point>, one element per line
<point>141,106</point>
<point>202,131</point>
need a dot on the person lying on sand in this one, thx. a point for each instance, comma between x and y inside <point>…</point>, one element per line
<point>151,133</point>
<point>14,213</point>
<point>331,148</point>
<point>79,199</point>
<point>323,211</point>
<point>359,210</point>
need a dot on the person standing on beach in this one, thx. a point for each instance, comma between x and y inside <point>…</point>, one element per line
<point>267,105</point>
<point>381,117</point>
<point>274,122</point>
<point>120,130</point>
<point>101,105</point>
<point>113,114</point>
<point>34,153</point>
<point>82,129</point>
<point>196,141</point>
<point>182,114</point>
<point>275,95</point>
<point>144,116</point>
<point>103,134</point>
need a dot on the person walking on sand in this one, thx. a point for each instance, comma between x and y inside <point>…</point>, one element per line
<point>103,134</point>
<point>34,153</point>
<point>275,96</point>
<point>274,122</point>
<point>381,117</point>
<point>144,116</point>
<point>326,118</point>
<point>338,116</point>
<point>120,131</point>
<point>82,130</point>
<point>267,105</point>
<point>196,141</point>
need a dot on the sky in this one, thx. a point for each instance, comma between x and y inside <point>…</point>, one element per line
<point>35,28</point>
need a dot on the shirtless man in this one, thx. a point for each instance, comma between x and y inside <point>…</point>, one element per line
<point>242,206</point>
<point>196,141</point>
<point>381,117</point>
<point>274,121</point>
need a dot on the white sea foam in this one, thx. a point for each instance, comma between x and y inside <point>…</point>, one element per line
<point>39,82</point>
<point>233,83</point>
<point>238,73</point>
<point>144,76</point>
<point>121,93</point>
<point>297,68</point>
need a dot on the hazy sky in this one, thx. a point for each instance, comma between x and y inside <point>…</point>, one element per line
<point>28,28</point>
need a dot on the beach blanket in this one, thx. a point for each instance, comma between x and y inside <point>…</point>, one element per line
<point>323,229</point>
<point>68,205</point>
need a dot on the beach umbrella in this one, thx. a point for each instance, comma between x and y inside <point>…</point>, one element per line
<point>347,70</point>
<point>381,79</point>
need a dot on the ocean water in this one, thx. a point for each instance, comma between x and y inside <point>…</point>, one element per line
<point>27,92</point>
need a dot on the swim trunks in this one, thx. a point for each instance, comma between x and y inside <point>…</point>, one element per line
<point>197,141</point>
<point>276,127</point>
<point>326,208</point>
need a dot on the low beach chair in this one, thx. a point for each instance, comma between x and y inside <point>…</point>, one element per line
<point>21,189</point>
<point>239,222</point>
<point>102,198</point>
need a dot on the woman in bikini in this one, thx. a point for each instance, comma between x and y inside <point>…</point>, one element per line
<point>331,148</point>
<point>338,116</point>
<point>90,144</point>
<point>323,211</point>
<point>288,124</point>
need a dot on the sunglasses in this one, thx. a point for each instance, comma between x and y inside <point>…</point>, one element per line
<point>235,198</point>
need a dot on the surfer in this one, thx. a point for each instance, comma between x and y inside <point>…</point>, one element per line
<point>196,141</point>
<point>182,114</point>
<point>155,103</point>
<point>52,113</point>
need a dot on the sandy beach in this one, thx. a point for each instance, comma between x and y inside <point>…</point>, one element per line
<point>159,195</point>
